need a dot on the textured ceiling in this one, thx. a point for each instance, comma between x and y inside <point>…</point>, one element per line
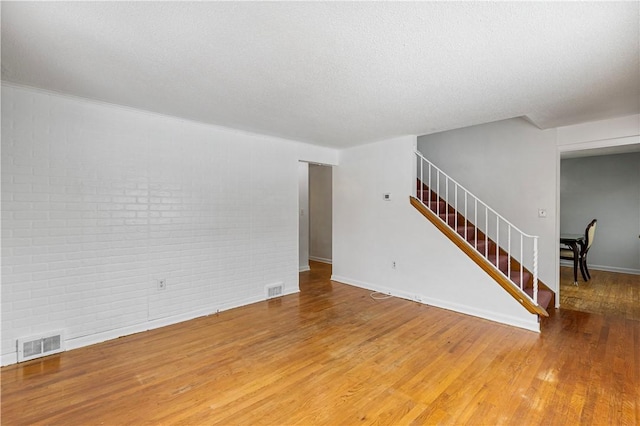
<point>333,73</point>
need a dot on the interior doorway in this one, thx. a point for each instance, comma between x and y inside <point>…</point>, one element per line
<point>603,185</point>
<point>315,214</point>
<point>320,213</point>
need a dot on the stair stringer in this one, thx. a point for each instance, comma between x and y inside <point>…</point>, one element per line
<point>519,295</point>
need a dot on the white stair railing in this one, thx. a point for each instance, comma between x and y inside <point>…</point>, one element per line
<point>468,216</point>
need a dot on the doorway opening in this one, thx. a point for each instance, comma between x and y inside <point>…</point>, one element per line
<point>603,185</point>
<point>315,215</point>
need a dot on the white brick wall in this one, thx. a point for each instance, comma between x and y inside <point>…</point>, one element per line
<point>99,202</point>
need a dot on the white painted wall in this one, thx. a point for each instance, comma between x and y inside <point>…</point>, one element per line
<point>370,233</point>
<point>99,202</point>
<point>606,188</point>
<point>303,216</point>
<point>511,166</point>
<point>320,212</point>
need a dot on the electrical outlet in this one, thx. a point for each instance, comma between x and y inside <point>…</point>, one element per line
<point>162,284</point>
<point>393,265</point>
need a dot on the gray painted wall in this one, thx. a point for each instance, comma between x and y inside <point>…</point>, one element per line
<point>320,216</point>
<point>606,188</point>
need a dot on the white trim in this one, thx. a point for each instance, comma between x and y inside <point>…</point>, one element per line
<point>601,143</point>
<point>91,339</point>
<point>11,358</point>
<point>320,259</point>
<point>617,269</point>
<point>556,267</point>
<point>534,325</point>
<point>304,268</point>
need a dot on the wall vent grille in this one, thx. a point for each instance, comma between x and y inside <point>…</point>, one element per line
<point>275,290</point>
<point>38,346</point>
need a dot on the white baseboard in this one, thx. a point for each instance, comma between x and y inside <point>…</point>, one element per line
<point>569,264</point>
<point>320,259</point>
<point>92,339</point>
<point>532,325</point>
<point>8,359</point>
<point>304,268</point>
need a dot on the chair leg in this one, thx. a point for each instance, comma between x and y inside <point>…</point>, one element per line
<point>584,261</point>
<point>575,270</point>
<point>583,267</point>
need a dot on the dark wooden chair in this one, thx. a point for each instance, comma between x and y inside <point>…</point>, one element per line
<point>569,254</point>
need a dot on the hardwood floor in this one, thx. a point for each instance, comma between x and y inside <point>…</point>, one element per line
<point>606,293</point>
<point>333,355</point>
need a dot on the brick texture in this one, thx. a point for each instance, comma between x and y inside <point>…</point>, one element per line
<point>100,202</point>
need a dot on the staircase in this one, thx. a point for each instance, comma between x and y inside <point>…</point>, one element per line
<point>476,229</point>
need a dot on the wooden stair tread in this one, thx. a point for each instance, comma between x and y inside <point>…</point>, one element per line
<point>544,296</point>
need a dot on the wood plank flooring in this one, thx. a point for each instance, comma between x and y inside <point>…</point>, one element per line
<point>606,293</point>
<point>333,355</point>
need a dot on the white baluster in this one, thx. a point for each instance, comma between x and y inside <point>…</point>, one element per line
<point>509,253</point>
<point>486,231</point>
<point>422,181</point>
<point>446,199</point>
<point>438,192</point>
<point>498,241</point>
<point>430,187</point>
<point>455,220</point>
<point>466,220</point>
<point>535,269</point>
<point>521,256</point>
<point>475,221</point>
